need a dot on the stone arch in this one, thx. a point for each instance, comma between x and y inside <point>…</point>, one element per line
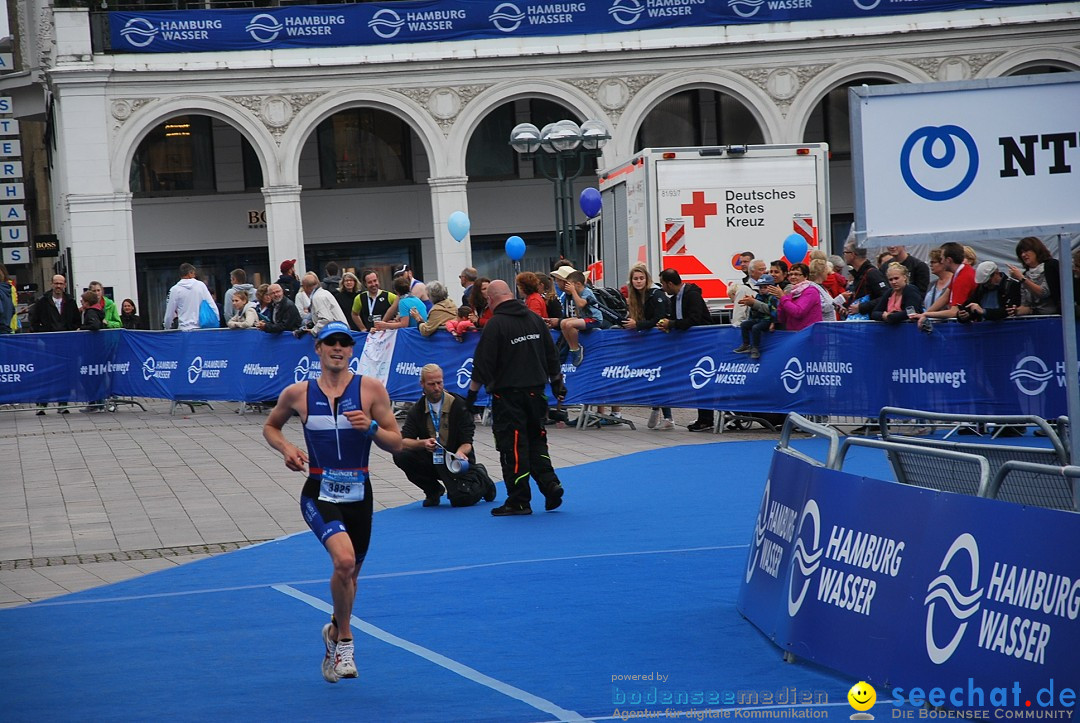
<point>555,91</point>
<point>816,90</point>
<point>745,91</point>
<point>308,119</point>
<point>143,120</point>
<point>1010,63</point>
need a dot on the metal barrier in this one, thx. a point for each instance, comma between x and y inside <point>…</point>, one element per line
<point>798,422</point>
<point>1037,485</point>
<point>936,469</point>
<point>1057,454</point>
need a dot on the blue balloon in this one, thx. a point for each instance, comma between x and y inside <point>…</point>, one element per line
<point>515,248</point>
<point>590,202</point>
<point>795,248</point>
<point>458,225</point>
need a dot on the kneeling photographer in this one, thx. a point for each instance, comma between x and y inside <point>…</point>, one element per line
<point>437,446</point>
<point>994,294</point>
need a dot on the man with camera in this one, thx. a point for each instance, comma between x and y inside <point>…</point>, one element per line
<point>437,446</point>
<point>993,295</point>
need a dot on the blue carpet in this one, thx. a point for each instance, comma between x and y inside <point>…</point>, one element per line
<point>636,574</point>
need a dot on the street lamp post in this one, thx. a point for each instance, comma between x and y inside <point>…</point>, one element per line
<point>565,147</point>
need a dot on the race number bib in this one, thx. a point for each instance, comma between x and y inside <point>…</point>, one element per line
<point>342,485</point>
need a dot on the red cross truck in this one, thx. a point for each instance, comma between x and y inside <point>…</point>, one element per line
<point>697,209</point>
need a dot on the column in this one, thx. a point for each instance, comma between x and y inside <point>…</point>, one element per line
<point>448,195</point>
<point>101,241</point>
<point>284,226</point>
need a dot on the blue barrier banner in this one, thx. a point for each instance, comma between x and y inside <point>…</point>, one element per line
<point>849,368</point>
<point>957,593</point>
<point>377,23</point>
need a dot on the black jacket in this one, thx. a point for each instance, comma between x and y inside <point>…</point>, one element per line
<point>515,350</point>
<point>1007,292</point>
<point>911,297</point>
<point>45,317</point>
<point>867,281</point>
<point>284,316</point>
<point>93,320</point>
<point>460,430</point>
<point>694,310</point>
<point>655,308</point>
<point>289,284</point>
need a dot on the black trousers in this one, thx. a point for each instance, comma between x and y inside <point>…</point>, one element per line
<point>420,469</point>
<point>518,417</point>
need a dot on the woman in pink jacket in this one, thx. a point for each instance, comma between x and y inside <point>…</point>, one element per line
<point>800,306</point>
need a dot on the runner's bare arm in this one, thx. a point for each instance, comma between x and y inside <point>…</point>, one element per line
<point>377,402</point>
<point>292,398</point>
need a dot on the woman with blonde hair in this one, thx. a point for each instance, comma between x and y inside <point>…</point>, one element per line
<point>647,305</point>
<point>944,278</point>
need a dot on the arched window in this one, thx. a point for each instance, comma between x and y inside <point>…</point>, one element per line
<point>364,147</point>
<point>699,117</point>
<point>828,122</point>
<point>489,156</point>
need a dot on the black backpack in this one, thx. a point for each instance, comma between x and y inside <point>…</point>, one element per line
<point>612,306</point>
<point>469,487</point>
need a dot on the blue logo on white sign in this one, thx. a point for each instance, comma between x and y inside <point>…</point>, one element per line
<point>386,23</point>
<point>943,173</point>
<point>507,17</point>
<point>140,32</point>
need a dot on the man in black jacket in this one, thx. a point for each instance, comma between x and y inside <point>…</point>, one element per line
<point>55,311</point>
<point>514,360</point>
<point>284,316</point>
<point>687,308</point>
<point>439,426</point>
<point>288,280</point>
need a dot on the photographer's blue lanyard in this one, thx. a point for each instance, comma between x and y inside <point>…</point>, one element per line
<point>438,455</point>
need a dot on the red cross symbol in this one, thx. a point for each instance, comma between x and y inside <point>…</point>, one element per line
<point>699,209</point>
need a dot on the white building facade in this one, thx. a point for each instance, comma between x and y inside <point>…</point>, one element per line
<point>360,154</point>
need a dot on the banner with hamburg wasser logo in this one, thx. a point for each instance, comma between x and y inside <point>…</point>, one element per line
<point>443,20</point>
<point>939,601</point>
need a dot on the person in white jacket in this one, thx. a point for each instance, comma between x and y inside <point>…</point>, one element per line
<point>185,298</point>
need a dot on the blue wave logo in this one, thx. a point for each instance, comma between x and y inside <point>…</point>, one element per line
<point>139,32</point>
<point>759,532</point>
<point>195,370</point>
<point>386,23</point>
<point>626,12</point>
<point>703,372</point>
<point>945,172</point>
<point>962,606</point>
<point>793,375</point>
<point>1033,381</point>
<point>745,8</point>
<point>264,28</point>
<point>464,373</point>
<point>806,557</point>
<point>507,17</point>
<point>149,366</point>
<point>354,365</point>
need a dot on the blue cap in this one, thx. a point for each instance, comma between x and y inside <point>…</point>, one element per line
<point>765,280</point>
<point>334,327</point>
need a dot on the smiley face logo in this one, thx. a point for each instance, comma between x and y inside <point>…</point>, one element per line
<point>862,697</point>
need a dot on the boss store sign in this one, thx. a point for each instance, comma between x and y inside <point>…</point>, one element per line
<point>14,229</point>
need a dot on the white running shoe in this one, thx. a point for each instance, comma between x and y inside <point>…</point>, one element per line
<point>654,418</point>
<point>666,424</point>
<point>328,659</point>
<point>345,667</point>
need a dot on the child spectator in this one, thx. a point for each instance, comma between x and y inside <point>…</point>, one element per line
<point>762,316</point>
<point>462,324</point>
<point>93,317</point>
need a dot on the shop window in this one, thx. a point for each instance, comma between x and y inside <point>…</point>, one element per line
<point>829,123</point>
<point>699,117</point>
<point>364,147</point>
<point>176,157</point>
